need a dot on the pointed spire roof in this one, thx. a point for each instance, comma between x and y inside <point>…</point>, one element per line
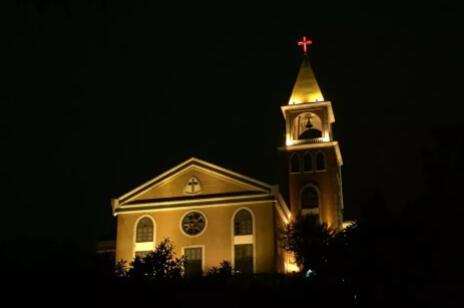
<point>306,88</point>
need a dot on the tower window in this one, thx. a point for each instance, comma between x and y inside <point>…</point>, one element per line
<point>320,161</point>
<point>295,163</point>
<point>144,230</point>
<point>307,162</point>
<point>309,198</point>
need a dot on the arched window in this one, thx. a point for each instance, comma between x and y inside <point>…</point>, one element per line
<point>320,161</point>
<point>144,230</point>
<point>295,163</point>
<point>243,223</point>
<point>309,198</point>
<point>243,242</point>
<point>307,162</point>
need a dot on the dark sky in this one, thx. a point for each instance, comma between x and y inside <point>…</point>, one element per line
<point>100,96</point>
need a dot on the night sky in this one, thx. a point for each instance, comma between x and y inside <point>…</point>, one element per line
<point>100,96</point>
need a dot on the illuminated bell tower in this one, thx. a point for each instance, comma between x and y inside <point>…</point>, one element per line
<point>314,158</point>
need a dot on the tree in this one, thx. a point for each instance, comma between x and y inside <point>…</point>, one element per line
<point>224,270</point>
<point>121,268</point>
<point>158,264</point>
<point>308,240</point>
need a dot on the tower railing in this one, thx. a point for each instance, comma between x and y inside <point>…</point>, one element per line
<point>313,140</point>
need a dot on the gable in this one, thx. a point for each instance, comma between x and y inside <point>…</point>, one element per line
<point>194,179</point>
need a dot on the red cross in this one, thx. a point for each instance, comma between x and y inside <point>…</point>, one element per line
<point>303,43</point>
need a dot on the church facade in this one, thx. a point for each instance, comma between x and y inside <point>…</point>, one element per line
<point>213,214</point>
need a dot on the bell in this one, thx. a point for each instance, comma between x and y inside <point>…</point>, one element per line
<point>308,124</point>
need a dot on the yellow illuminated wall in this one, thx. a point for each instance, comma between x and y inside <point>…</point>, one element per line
<point>216,238</point>
<point>222,194</point>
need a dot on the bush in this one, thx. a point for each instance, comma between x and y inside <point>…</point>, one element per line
<point>224,270</point>
<point>158,264</point>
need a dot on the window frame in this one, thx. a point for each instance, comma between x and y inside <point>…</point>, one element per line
<point>203,253</point>
<point>252,256</point>
<point>243,239</point>
<point>143,246</point>
<point>137,230</point>
<point>251,219</point>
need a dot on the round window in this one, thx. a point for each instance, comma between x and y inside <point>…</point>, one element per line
<point>193,223</point>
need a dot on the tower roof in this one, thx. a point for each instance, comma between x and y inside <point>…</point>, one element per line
<point>306,88</point>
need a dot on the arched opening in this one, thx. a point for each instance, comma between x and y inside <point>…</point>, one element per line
<point>320,161</point>
<point>243,223</point>
<point>144,230</point>
<point>144,237</point>
<point>243,241</point>
<point>309,198</point>
<point>307,125</point>
<point>307,162</point>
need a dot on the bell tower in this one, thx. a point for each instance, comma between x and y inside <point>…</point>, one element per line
<point>313,156</point>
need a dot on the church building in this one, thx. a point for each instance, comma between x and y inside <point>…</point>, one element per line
<point>213,214</point>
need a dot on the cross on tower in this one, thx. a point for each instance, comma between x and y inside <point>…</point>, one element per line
<point>303,43</point>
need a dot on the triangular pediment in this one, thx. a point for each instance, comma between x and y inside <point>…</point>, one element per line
<point>194,179</point>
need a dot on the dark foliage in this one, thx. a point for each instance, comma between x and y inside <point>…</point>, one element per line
<point>224,270</point>
<point>158,264</point>
<point>309,241</point>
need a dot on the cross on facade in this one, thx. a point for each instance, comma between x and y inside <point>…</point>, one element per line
<point>303,43</point>
<point>194,185</point>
